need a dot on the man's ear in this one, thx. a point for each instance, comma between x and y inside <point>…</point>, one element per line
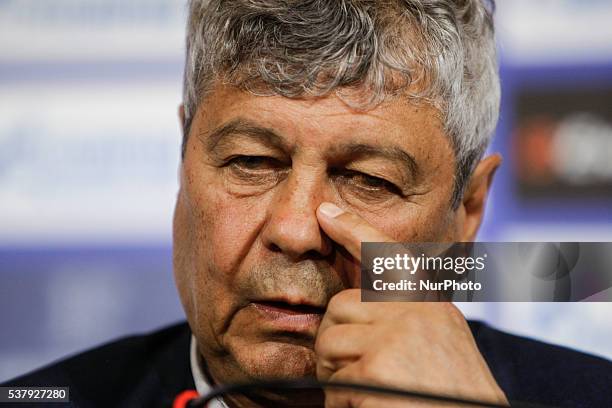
<point>181,112</point>
<point>472,207</point>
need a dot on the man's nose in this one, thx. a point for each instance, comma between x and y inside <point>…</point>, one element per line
<point>291,226</point>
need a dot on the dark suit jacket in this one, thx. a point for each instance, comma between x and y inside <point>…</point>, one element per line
<point>150,370</point>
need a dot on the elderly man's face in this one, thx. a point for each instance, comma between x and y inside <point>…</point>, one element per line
<point>253,267</point>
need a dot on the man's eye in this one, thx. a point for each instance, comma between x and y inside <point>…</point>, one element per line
<point>371,184</point>
<point>254,163</point>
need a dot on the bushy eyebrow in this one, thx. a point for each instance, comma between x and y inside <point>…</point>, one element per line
<point>241,126</point>
<point>392,153</point>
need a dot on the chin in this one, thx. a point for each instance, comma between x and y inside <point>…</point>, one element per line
<point>277,360</point>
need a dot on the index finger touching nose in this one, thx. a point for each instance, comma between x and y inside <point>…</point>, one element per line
<point>347,229</point>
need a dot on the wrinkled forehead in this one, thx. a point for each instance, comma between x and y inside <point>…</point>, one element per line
<point>319,114</point>
<point>410,132</point>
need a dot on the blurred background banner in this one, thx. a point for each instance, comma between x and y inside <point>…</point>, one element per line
<point>90,147</point>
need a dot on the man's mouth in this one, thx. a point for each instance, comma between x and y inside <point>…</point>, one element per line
<point>290,309</point>
<point>283,316</point>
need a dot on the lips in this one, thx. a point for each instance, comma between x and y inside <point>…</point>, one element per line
<point>284,316</point>
<point>290,309</point>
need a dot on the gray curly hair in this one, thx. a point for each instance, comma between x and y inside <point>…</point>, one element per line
<point>441,52</point>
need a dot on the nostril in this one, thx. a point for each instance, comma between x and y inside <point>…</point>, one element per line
<point>275,248</point>
<point>312,254</point>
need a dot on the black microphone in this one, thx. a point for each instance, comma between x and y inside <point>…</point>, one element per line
<point>307,383</point>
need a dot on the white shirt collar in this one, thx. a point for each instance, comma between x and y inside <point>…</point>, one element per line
<point>199,379</point>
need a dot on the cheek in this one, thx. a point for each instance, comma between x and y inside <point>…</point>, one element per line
<point>212,234</point>
<point>225,227</point>
<point>430,221</point>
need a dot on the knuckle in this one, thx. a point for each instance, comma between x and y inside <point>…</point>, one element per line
<point>339,299</point>
<point>351,295</point>
<point>370,367</point>
<point>453,313</point>
<point>334,304</point>
<point>322,343</point>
